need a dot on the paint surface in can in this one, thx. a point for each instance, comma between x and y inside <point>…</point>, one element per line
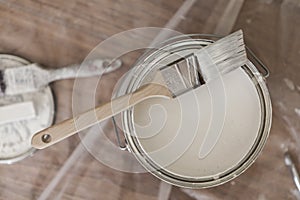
<point>174,131</point>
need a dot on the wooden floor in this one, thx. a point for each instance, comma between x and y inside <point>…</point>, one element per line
<point>57,33</point>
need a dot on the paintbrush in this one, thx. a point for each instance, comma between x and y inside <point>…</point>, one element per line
<point>33,77</point>
<point>169,81</point>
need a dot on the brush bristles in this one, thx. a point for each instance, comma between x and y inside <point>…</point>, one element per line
<point>206,64</point>
<point>226,54</point>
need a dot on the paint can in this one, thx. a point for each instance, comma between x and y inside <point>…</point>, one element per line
<point>16,135</point>
<point>243,131</point>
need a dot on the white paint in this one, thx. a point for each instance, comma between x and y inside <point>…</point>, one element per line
<point>32,77</point>
<point>289,83</point>
<point>297,111</point>
<point>16,112</point>
<point>153,125</point>
<point>15,137</point>
<point>240,129</point>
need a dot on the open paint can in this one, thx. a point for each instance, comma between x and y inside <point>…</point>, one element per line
<point>202,138</point>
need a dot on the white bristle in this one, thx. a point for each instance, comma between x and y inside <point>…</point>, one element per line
<point>226,54</point>
<point>212,61</point>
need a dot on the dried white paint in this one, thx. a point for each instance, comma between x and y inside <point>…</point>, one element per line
<point>289,83</point>
<point>297,111</point>
<point>17,112</point>
<point>15,137</point>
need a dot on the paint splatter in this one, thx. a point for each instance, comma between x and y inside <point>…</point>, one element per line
<point>289,83</point>
<point>297,111</point>
<point>281,106</point>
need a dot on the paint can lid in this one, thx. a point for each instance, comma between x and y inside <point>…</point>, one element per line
<point>25,115</point>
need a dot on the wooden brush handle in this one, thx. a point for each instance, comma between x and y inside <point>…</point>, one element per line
<point>69,127</point>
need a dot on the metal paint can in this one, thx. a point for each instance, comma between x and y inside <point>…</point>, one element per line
<point>139,75</point>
